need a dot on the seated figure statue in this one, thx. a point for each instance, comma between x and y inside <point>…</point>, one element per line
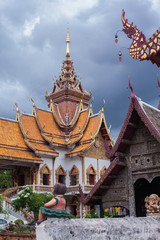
<point>152,204</point>
<point>56,207</point>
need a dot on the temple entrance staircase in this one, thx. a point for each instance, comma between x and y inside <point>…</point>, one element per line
<point>9,195</point>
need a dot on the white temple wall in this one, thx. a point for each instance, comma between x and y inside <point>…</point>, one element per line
<point>67,164</point>
<point>103,163</point>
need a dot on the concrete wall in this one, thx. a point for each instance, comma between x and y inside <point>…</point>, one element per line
<point>128,228</point>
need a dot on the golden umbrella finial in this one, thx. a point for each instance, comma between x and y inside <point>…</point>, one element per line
<point>67,41</point>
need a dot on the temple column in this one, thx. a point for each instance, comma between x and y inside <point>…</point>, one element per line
<point>131,193</point>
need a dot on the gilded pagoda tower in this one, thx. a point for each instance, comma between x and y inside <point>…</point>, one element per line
<point>68,92</point>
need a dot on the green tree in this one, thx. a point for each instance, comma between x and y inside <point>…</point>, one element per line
<point>31,201</point>
<point>5,178</point>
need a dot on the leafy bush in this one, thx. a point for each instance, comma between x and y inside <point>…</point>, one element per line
<point>72,216</point>
<point>5,178</point>
<point>19,221</point>
<point>31,201</point>
<point>93,214</point>
<point>18,228</point>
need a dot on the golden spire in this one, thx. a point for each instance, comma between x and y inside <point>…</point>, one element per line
<point>67,41</point>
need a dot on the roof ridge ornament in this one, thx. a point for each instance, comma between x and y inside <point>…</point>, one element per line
<point>67,41</point>
<point>34,106</point>
<point>102,109</point>
<point>130,86</point>
<point>18,111</point>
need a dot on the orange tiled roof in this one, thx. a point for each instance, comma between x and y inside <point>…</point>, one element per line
<point>79,148</point>
<point>73,139</point>
<point>17,153</point>
<point>30,127</point>
<point>46,119</point>
<point>42,147</point>
<point>82,120</point>
<point>57,140</point>
<point>10,134</point>
<point>91,129</point>
<point>12,142</point>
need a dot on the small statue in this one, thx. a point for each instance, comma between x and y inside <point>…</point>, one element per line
<point>152,204</point>
<point>56,207</point>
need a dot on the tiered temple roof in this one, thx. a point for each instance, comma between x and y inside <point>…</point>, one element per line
<point>69,122</point>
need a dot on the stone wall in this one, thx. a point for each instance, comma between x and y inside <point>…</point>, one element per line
<point>128,228</point>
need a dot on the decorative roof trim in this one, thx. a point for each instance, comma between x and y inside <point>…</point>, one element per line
<point>76,115</point>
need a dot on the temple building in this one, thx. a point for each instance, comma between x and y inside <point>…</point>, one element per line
<point>63,144</point>
<point>134,172</point>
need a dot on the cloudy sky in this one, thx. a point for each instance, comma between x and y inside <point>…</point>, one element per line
<point>32,48</point>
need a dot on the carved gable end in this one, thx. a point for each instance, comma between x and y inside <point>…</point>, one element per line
<point>97,150</point>
<point>144,151</point>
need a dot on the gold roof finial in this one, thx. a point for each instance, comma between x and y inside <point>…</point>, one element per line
<point>67,41</point>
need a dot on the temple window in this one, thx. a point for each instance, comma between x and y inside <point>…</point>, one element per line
<point>74,180</point>
<point>74,176</point>
<point>91,175</point>
<point>91,179</point>
<point>61,179</point>
<point>103,170</point>
<point>45,175</point>
<point>60,175</point>
<point>45,179</point>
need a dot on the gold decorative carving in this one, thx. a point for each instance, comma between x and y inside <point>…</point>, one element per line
<point>97,150</point>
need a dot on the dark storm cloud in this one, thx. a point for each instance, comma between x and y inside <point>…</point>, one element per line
<point>32,48</point>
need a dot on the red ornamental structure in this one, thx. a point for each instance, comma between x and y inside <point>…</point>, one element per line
<point>140,48</point>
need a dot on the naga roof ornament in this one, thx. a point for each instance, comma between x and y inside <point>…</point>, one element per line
<point>140,48</point>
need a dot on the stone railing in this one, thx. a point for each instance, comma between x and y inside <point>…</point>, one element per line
<point>23,213</point>
<point>100,228</point>
<point>10,191</point>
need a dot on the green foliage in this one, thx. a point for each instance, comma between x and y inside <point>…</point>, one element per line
<point>93,214</point>
<point>5,178</point>
<point>88,216</point>
<point>72,216</point>
<point>31,201</point>
<point>17,227</point>
<point>19,221</point>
